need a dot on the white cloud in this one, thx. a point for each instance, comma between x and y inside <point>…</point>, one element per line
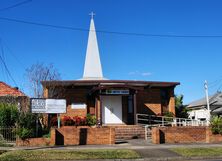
<point>146,74</point>
<point>140,73</point>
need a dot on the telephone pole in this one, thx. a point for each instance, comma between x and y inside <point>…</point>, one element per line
<point>207,99</point>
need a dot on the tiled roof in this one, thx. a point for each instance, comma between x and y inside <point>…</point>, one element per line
<point>6,90</point>
<point>215,100</point>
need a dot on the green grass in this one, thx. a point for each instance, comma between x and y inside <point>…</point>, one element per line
<point>46,155</point>
<point>197,152</point>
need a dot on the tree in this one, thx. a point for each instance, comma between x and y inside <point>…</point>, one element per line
<point>40,72</point>
<point>181,110</point>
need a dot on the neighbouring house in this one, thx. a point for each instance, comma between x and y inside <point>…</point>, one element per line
<point>13,95</point>
<point>198,108</point>
<point>113,102</point>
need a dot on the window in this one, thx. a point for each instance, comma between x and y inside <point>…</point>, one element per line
<point>78,106</point>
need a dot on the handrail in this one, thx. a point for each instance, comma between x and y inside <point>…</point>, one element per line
<point>146,119</point>
<point>149,121</point>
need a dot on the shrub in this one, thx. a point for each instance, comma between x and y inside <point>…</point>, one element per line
<point>54,121</point>
<point>79,121</point>
<point>68,121</point>
<point>8,115</point>
<point>90,120</point>
<point>216,125</point>
<point>168,114</point>
<point>27,126</point>
<point>25,133</point>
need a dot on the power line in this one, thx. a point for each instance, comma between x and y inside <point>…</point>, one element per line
<point>6,68</point>
<point>15,5</point>
<point>109,32</point>
<point>11,52</point>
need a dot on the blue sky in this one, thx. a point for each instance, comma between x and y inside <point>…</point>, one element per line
<point>186,60</point>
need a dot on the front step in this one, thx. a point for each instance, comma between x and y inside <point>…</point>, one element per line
<point>129,132</point>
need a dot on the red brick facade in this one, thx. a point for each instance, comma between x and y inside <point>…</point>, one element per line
<point>143,97</point>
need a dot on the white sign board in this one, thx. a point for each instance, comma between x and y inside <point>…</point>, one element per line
<point>55,106</point>
<point>78,106</point>
<point>48,105</point>
<point>114,91</point>
<point>38,105</point>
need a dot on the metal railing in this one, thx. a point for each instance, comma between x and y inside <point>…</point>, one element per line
<point>144,119</point>
<point>149,121</point>
<point>7,134</point>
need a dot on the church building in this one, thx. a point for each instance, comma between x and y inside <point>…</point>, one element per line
<point>113,102</point>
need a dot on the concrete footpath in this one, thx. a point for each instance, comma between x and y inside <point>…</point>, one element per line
<point>148,151</point>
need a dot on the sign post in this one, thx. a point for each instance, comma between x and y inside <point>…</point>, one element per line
<point>58,117</point>
<point>49,106</point>
<point>37,125</point>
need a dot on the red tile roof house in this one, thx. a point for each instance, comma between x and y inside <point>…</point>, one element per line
<point>13,95</point>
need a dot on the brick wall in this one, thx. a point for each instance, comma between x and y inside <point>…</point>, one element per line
<point>23,102</point>
<point>213,138</point>
<point>179,135</point>
<point>33,142</point>
<point>184,135</point>
<point>69,135</point>
<point>149,101</point>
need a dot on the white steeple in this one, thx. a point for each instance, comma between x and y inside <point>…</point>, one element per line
<point>92,68</point>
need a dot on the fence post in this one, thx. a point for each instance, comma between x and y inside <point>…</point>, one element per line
<point>162,121</point>
<point>137,118</point>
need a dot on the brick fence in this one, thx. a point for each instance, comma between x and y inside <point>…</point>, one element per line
<point>33,142</point>
<point>184,135</point>
<point>71,135</point>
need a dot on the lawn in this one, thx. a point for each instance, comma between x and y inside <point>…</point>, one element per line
<point>197,152</point>
<point>46,155</point>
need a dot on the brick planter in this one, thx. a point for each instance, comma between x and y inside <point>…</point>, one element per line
<point>71,135</point>
<point>33,142</point>
<point>82,135</point>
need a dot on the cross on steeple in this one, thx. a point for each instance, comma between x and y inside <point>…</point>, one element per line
<point>92,14</point>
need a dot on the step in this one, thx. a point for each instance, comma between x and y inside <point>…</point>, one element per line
<point>129,132</point>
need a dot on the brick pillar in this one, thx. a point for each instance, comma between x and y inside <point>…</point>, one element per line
<point>155,135</point>
<point>98,108</point>
<point>45,92</point>
<point>208,134</point>
<point>52,137</point>
<point>172,102</point>
<point>135,107</point>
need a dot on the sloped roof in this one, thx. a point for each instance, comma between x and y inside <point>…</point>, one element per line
<point>103,82</point>
<point>6,90</point>
<point>215,100</point>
